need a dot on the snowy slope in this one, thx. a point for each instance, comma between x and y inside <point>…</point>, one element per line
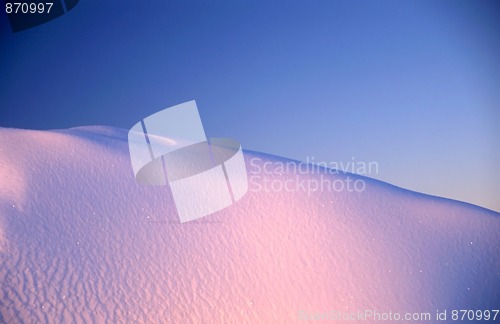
<point>81,241</point>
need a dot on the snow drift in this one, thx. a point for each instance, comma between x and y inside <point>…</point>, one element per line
<point>82,241</point>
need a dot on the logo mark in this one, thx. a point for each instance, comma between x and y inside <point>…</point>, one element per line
<point>204,175</point>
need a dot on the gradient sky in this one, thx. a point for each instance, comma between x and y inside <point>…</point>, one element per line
<point>412,85</point>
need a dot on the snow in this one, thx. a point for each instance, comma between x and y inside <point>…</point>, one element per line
<point>82,241</point>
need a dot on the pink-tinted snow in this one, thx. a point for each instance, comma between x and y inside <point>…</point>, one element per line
<point>82,241</point>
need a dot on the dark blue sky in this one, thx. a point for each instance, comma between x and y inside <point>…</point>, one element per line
<point>413,85</point>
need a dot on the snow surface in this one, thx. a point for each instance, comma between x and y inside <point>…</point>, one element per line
<point>82,241</point>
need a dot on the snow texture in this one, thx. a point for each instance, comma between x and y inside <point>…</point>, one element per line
<point>82,241</point>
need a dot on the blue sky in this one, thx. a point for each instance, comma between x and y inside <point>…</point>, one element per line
<point>413,85</point>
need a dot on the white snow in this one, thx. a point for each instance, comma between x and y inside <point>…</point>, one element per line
<point>82,241</point>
